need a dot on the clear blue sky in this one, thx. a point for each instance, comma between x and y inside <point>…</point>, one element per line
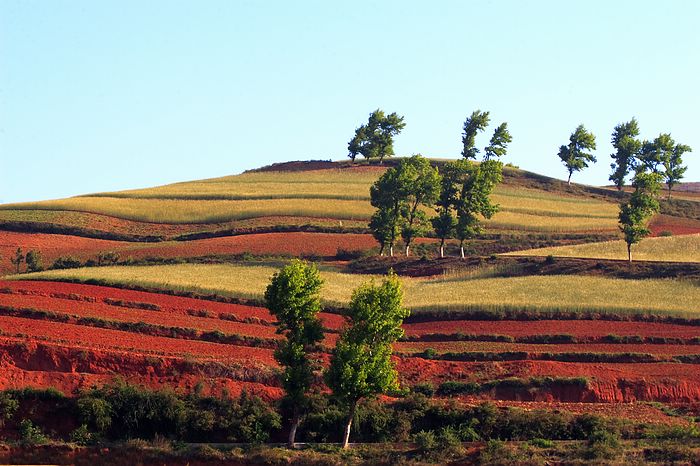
<point>106,95</point>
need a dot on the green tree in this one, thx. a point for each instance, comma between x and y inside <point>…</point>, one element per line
<point>673,166</point>
<point>473,125</point>
<point>17,259</point>
<point>33,261</point>
<point>653,153</point>
<point>387,196</point>
<point>385,228</point>
<point>627,146</point>
<point>474,202</point>
<point>498,146</point>
<point>420,188</point>
<point>642,204</point>
<point>361,365</point>
<point>574,155</point>
<point>293,298</point>
<point>444,222</point>
<point>375,140</point>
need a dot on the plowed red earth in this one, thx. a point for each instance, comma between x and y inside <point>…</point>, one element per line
<point>168,317</point>
<point>292,244</point>
<point>287,244</point>
<point>167,303</point>
<point>115,339</point>
<point>674,225</point>
<point>52,247</point>
<point>577,328</point>
<point>498,347</point>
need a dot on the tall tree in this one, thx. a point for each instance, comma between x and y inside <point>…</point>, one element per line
<point>375,140</point>
<point>387,196</point>
<point>627,146</point>
<point>642,204</point>
<point>17,259</point>
<point>293,298</point>
<point>498,146</point>
<point>574,154</point>
<point>421,186</point>
<point>653,153</point>
<point>473,125</point>
<point>474,202</point>
<point>673,166</point>
<point>361,364</point>
<point>444,222</point>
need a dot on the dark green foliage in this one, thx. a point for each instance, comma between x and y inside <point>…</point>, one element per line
<point>499,142</point>
<point>473,125</point>
<point>66,262</point>
<point>31,434</point>
<point>375,140</point>
<point>33,261</point>
<point>574,155</point>
<point>627,146</point>
<point>107,258</point>
<point>293,298</point>
<point>636,212</point>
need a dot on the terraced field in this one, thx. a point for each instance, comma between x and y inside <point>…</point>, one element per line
<point>450,293</point>
<point>684,248</point>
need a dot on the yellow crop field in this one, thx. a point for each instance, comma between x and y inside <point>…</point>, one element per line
<point>683,248</point>
<point>341,194</point>
<point>562,292</point>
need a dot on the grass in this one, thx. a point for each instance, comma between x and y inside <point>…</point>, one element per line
<point>341,194</point>
<point>685,248</point>
<point>536,293</point>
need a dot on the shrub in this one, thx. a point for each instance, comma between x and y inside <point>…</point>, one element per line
<point>549,259</point>
<point>66,262</point>
<point>8,407</point>
<point>541,443</point>
<point>82,436</point>
<point>665,233</point>
<point>424,388</point>
<point>31,434</point>
<point>33,261</point>
<point>603,444</point>
<point>425,440</point>
<point>451,387</point>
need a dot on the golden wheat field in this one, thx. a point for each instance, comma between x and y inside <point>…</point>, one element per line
<point>562,292</point>
<point>684,248</point>
<point>333,194</point>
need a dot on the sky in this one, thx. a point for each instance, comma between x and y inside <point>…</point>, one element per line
<point>111,95</point>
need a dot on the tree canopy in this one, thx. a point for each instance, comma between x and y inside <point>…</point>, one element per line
<point>574,155</point>
<point>627,147</point>
<point>642,204</point>
<point>375,139</point>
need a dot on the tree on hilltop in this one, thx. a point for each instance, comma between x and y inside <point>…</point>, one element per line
<point>375,140</point>
<point>574,155</point>
<point>473,125</point>
<point>293,298</point>
<point>627,147</point>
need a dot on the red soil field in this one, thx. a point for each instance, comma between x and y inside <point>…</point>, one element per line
<point>167,303</point>
<point>577,328</point>
<point>290,244</point>
<point>675,225</point>
<point>51,247</point>
<point>99,338</point>
<point>498,347</point>
<point>123,314</point>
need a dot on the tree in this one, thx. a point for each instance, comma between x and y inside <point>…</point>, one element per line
<point>673,166</point>
<point>473,125</point>
<point>498,146</point>
<point>444,222</point>
<point>653,153</point>
<point>33,261</point>
<point>293,298</point>
<point>17,259</point>
<point>574,154</point>
<point>361,364</point>
<point>398,195</point>
<point>420,187</point>
<point>627,147</point>
<point>376,138</point>
<point>642,204</point>
<point>474,201</point>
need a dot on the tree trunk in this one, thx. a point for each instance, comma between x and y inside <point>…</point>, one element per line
<point>348,425</point>
<point>461,248</point>
<point>391,250</point>
<point>568,182</point>
<point>407,250</point>
<point>629,253</point>
<point>669,192</point>
<point>381,249</point>
<point>442,248</point>
<point>296,419</point>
